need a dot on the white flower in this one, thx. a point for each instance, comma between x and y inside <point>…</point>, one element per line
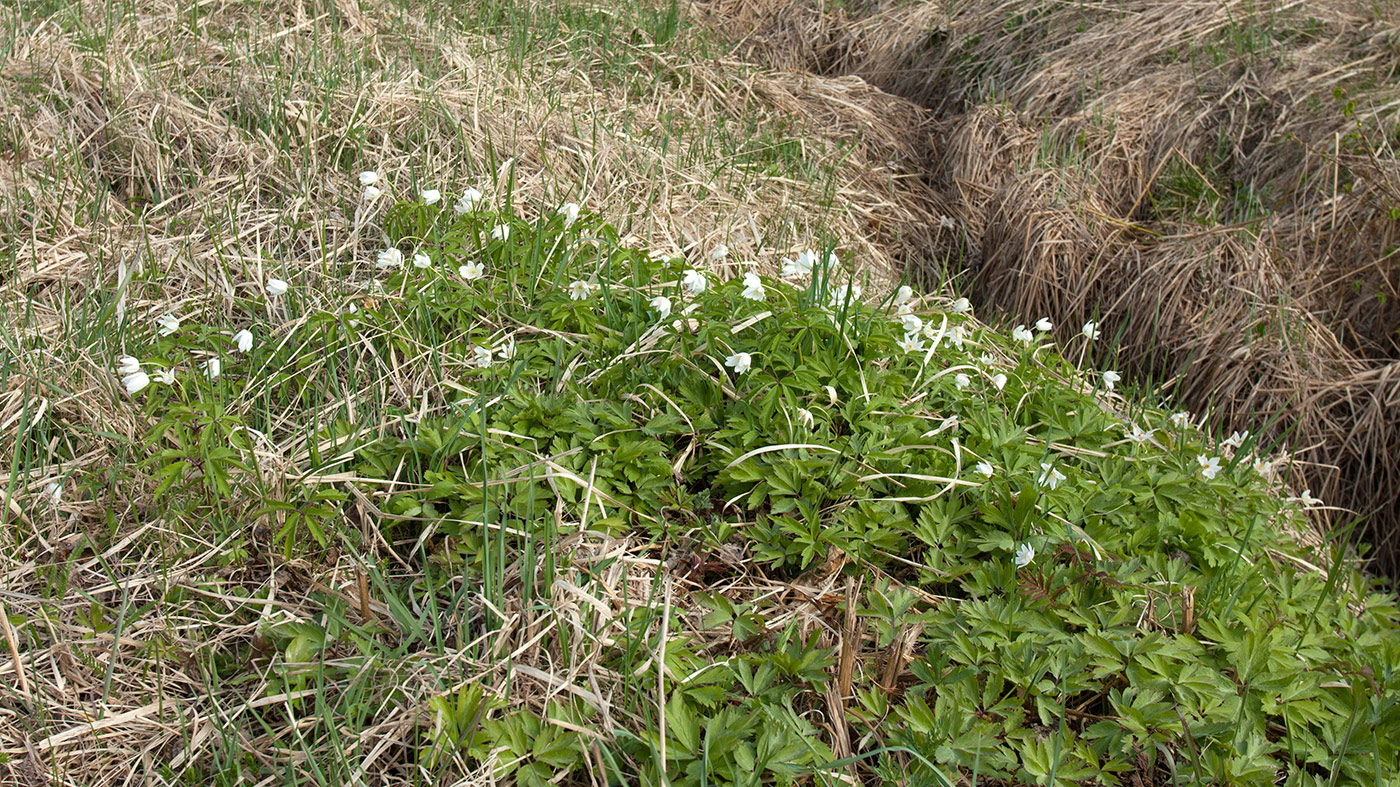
<point>1264,468</point>
<point>719,252</point>
<point>421,260</point>
<point>389,258</point>
<point>1210,465</point>
<point>912,323</point>
<point>168,323</point>
<point>501,232</point>
<point>507,349</point>
<point>1091,330</point>
<point>1308,500</point>
<point>369,177</point>
<point>806,418</point>
<point>987,359</point>
<point>430,196</point>
<point>212,367</point>
<point>1180,420</point>
<point>911,343</point>
<point>903,295</point>
<point>164,377</point>
<point>276,287</point>
<point>753,287</point>
<point>1022,334</point>
<point>569,210</point>
<point>739,362</point>
<point>831,260</point>
<point>846,292</point>
<point>1050,478</point>
<point>661,305</point>
<point>694,282</point>
<point>960,306</point>
<point>128,365</point>
<point>136,381</point>
<point>371,194</point>
<point>468,201</point>
<point>947,222</point>
<point>1235,440</point>
<point>483,356</point>
<point>999,380</point>
<point>1111,379</point>
<point>1137,434</point>
<point>244,340</point>
<point>471,271</point>
<point>54,491</point>
<point>985,468</point>
<point>1024,555</point>
<point>1044,325</point>
<point>961,380</point>
<point>579,290</point>
<point>802,266</point>
<point>957,335</point>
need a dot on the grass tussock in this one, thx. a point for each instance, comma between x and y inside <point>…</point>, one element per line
<point>1217,182</point>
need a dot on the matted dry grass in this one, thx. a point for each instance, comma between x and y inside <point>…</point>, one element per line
<point>1215,181</point>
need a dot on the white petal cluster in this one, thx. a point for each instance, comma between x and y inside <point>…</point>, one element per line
<point>694,282</point>
<point>136,381</point>
<point>846,293</point>
<point>569,210</point>
<point>389,258</point>
<point>468,202</point>
<point>1210,466</point>
<point>801,266</point>
<point>579,290</point>
<point>753,288</point>
<point>168,323</point>
<point>661,305</point>
<point>1050,477</point>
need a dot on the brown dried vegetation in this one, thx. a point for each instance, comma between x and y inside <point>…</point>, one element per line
<point>1216,182</point>
<point>204,146</point>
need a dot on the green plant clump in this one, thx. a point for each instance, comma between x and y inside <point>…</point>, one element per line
<point>1049,583</point>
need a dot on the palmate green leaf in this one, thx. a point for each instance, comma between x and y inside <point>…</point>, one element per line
<point>1144,618</point>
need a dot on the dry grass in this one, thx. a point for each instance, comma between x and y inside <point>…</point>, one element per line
<point>1217,182</point>
<point>205,147</point>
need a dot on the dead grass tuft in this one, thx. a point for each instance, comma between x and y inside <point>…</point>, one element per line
<point>1217,181</point>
